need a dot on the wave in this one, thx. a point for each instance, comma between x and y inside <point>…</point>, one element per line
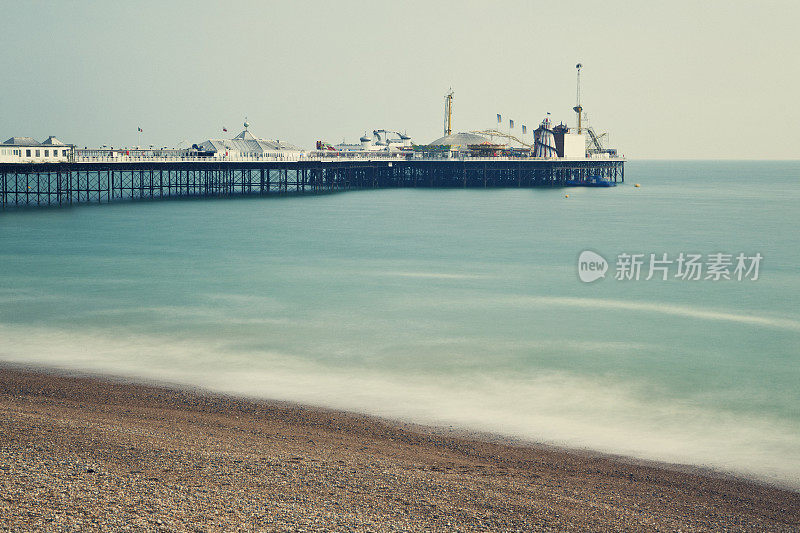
<point>597,412</point>
<point>657,307</point>
<point>428,275</point>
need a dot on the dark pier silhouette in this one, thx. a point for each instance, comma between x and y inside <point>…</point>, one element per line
<point>71,183</point>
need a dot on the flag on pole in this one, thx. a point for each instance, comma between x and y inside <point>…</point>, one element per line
<point>140,130</point>
<point>499,118</point>
<point>511,124</point>
<point>224,129</point>
<point>524,129</point>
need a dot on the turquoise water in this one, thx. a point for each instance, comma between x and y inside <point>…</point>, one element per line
<point>449,307</point>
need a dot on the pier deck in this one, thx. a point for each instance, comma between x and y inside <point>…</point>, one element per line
<point>60,184</point>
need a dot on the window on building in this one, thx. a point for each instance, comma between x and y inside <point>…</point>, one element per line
<point>47,153</point>
<point>64,153</point>
<point>27,153</point>
<point>38,153</point>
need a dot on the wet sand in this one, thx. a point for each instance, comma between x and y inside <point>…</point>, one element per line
<point>89,453</point>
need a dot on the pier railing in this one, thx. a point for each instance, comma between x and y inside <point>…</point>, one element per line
<point>121,157</point>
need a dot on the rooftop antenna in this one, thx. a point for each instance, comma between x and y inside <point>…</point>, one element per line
<point>578,109</point>
<point>448,112</point>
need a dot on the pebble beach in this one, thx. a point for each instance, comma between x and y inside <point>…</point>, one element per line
<point>88,453</point>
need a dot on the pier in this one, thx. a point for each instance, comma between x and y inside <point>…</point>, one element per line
<point>73,183</point>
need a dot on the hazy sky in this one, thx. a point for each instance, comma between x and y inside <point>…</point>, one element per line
<point>679,79</point>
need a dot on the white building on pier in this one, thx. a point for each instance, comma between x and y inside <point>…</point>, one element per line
<point>246,145</point>
<point>28,150</point>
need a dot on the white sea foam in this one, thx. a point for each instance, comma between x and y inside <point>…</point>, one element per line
<point>597,412</point>
<point>670,309</point>
<point>627,305</point>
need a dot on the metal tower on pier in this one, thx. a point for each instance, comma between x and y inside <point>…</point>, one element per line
<point>448,112</point>
<point>578,109</point>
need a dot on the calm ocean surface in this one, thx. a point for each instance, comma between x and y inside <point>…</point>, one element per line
<point>451,307</point>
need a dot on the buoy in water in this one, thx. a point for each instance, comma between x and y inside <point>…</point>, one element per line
<point>636,185</point>
<point>566,196</point>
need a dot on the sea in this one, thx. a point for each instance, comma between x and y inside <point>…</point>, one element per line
<point>461,309</point>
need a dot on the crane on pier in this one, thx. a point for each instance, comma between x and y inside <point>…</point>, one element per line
<point>595,140</point>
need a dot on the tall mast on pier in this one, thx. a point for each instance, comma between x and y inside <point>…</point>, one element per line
<point>448,112</point>
<point>578,109</point>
